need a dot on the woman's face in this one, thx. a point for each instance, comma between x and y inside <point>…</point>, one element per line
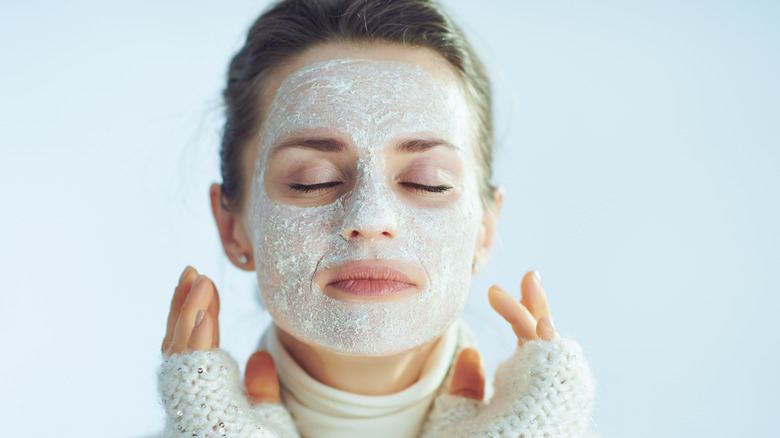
<point>363,210</point>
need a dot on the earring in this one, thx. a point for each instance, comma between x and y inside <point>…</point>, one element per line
<point>476,265</point>
<point>242,259</point>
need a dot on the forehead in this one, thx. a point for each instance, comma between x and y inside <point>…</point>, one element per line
<point>372,101</point>
<point>426,58</point>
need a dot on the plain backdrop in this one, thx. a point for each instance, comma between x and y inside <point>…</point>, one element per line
<point>639,143</point>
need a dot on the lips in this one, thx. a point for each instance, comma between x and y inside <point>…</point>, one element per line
<point>375,280</point>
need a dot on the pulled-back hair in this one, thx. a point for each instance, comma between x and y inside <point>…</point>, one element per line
<point>289,27</point>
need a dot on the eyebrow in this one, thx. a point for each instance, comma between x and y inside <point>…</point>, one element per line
<point>318,144</point>
<point>415,146</point>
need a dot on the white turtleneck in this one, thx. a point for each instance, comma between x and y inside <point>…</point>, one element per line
<point>326,412</point>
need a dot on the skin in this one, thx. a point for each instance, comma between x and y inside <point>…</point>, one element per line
<point>193,318</point>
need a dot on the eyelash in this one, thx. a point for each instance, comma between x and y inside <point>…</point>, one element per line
<point>307,188</point>
<point>424,188</point>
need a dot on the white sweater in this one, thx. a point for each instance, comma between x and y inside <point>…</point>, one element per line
<point>543,390</point>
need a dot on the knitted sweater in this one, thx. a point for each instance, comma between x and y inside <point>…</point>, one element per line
<point>543,390</point>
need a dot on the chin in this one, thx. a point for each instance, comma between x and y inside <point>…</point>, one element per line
<point>366,329</point>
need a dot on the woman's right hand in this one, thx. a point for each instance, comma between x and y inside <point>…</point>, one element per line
<point>197,381</point>
<point>193,325</point>
<point>192,321</point>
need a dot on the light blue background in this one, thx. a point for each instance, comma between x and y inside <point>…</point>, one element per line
<point>639,145</point>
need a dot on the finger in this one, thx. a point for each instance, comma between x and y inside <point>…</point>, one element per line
<point>523,323</point>
<point>468,378</point>
<point>199,298</point>
<point>201,336</point>
<point>260,381</point>
<point>213,311</point>
<point>545,329</point>
<point>179,296</point>
<point>533,296</point>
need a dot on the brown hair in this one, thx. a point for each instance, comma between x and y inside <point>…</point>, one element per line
<point>289,27</point>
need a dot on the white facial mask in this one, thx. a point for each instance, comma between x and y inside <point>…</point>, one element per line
<point>371,103</point>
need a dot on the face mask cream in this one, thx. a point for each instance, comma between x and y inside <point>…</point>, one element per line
<point>370,104</point>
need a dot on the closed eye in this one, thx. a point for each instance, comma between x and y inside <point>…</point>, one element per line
<point>306,188</point>
<point>425,188</point>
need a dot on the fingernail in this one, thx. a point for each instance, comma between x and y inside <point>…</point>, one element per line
<point>468,393</point>
<point>197,280</point>
<point>496,288</point>
<point>547,331</point>
<point>184,273</point>
<point>199,317</point>
<point>538,276</point>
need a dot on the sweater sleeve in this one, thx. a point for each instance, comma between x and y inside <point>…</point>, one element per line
<point>201,395</point>
<point>543,390</point>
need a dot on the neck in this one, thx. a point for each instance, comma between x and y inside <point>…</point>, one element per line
<point>357,374</point>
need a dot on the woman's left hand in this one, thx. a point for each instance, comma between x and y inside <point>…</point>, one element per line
<point>530,319</point>
<point>543,389</point>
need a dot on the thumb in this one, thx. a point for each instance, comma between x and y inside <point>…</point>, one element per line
<point>260,381</point>
<point>468,379</point>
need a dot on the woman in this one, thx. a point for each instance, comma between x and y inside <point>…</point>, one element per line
<point>356,182</point>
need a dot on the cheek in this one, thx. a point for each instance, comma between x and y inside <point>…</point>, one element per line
<point>447,241</point>
<point>289,241</point>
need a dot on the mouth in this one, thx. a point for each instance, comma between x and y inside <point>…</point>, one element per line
<point>368,280</point>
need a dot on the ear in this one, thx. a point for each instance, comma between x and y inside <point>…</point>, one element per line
<point>488,231</point>
<point>235,239</point>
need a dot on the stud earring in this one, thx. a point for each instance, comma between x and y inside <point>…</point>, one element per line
<point>476,265</point>
<point>242,259</point>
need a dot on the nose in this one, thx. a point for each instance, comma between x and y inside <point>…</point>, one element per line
<point>370,219</point>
